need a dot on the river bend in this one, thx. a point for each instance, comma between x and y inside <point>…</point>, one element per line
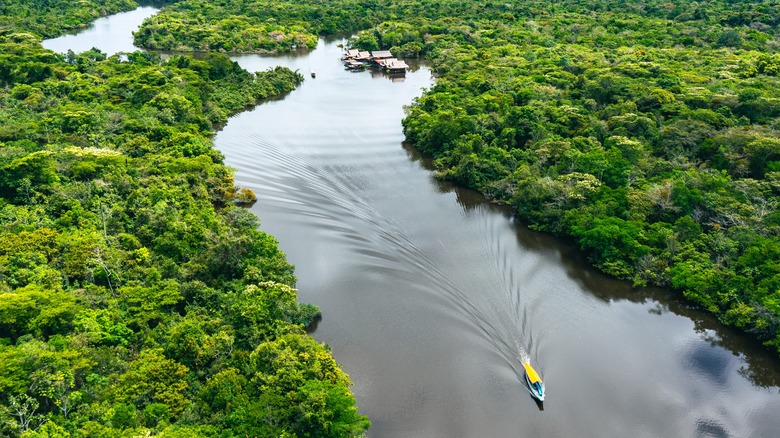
<point>430,295</point>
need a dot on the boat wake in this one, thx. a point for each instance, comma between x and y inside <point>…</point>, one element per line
<point>304,185</point>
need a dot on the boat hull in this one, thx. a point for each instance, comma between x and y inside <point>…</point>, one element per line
<point>535,392</point>
<point>535,384</point>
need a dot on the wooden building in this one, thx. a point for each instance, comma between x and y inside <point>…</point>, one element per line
<point>381,54</point>
<point>393,65</point>
<point>355,59</point>
<point>350,54</point>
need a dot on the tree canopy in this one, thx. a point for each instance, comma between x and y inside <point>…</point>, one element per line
<point>136,296</point>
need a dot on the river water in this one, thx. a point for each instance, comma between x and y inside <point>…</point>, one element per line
<point>430,295</point>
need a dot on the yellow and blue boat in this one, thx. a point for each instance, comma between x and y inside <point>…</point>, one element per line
<point>535,384</point>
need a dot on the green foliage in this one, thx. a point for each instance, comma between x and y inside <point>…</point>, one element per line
<point>48,18</point>
<point>48,430</point>
<point>36,309</point>
<point>153,380</point>
<point>295,367</point>
<point>241,26</point>
<point>730,38</point>
<point>265,311</point>
<point>132,288</point>
<point>291,385</point>
<point>613,243</point>
<point>327,410</point>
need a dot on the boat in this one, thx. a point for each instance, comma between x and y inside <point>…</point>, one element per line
<point>313,74</point>
<point>535,384</point>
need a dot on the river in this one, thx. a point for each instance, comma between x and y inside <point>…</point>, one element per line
<point>430,295</point>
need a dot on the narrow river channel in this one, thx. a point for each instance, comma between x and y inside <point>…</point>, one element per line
<point>430,295</point>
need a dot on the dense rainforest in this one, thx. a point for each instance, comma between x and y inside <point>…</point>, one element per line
<point>49,18</point>
<point>645,130</point>
<point>137,298</point>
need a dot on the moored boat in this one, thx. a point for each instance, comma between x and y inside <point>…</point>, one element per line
<point>535,384</point>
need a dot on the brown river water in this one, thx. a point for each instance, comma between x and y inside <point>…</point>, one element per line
<point>430,295</point>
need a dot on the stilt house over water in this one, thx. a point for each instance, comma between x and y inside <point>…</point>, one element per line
<point>355,59</point>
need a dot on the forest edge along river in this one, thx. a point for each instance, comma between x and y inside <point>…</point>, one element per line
<point>431,296</point>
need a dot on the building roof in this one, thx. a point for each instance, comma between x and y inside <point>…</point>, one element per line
<point>396,64</point>
<point>378,54</point>
<point>351,53</point>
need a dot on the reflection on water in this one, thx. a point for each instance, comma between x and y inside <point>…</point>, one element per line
<point>110,35</point>
<point>430,295</point>
<point>711,428</point>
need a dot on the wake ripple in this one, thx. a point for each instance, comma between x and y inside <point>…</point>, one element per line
<point>335,196</point>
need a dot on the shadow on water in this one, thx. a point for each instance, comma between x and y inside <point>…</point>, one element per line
<point>711,428</point>
<point>761,367</point>
<point>312,326</point>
